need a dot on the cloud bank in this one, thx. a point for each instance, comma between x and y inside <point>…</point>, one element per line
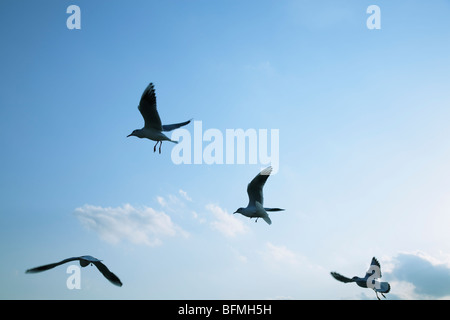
<point>420,276</point>
<point>137,225</point>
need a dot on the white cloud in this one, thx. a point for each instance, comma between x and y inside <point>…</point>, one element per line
<point>197,217</point>
<point>280,254</point>
<point>137,225</point>
<point>419,276</point>
<point>225,222</point>
<point>162,202</point>
<point>171,203</point>
<point>184,195</point>
<point>239,256</point>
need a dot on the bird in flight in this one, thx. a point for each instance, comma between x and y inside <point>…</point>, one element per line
<point>84,261</point>
<point>255,207</point>
<point>153,128</point>
<point>369,280</point>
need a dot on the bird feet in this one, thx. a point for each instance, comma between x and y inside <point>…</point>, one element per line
<point>154,148</point>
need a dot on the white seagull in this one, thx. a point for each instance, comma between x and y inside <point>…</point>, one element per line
<point>255,207</point>
<point>369,280</point>
<point>84,261</point>
<point>152,127</point>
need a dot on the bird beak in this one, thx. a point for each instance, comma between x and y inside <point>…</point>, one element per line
<point>129,135</point>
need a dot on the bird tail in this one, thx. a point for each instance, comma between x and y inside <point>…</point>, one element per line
<point>176,142</point>
<point>273,209</point>
<point>384,287</point>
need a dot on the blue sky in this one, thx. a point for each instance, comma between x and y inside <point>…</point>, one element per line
<point>364,151</point>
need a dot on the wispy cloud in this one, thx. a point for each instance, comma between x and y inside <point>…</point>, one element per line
<point>184,195</point>
<point>280,257</point>
<point>173,203</point>
<point>162,202</point>
<point>280,254</point>
<point>197,217</point>
<point>137,225</point>
<point>225,222</point>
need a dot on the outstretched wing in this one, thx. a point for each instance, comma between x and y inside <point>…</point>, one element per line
<point>108,274</point>
<point>340,277</point>
<point>147,107</point>
<point>170,127</point>
<point>51,265</point>
<point>375,268</point>
<point>255,187</point>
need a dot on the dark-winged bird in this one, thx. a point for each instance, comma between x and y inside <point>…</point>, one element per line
<point>84,261</point>
<point>369,280</point>
<point>255,207</point>
<point>153,128</point>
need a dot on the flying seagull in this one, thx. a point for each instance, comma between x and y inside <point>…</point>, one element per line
<point>369,280</point>
<point>153,129</point>
<point>255,207</point>
<point>84,261</point>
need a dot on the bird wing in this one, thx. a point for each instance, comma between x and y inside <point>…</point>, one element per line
<point>340,277</point>
<point>108,274</point>
<point>267,219</point>
<point>170,127</point>
<point>51,265</point>
<point>147,107</point>
<point>255,187</point>
<point>91,259</point>
<point>374,263</point>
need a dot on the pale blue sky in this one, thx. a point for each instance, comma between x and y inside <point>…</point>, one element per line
<point>364,150</point>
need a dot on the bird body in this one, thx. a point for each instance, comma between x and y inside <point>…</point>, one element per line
<point>255,211</point>
<point>153,128</point>
<point>369,280</point>
<point>84,262</point>
<point>152,134</point>
<point>255,208</point>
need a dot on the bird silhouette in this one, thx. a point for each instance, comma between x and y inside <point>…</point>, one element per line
<point>369,280</point>
<point>255,207</point>
<point>84,261</point>
<point>153,128</point>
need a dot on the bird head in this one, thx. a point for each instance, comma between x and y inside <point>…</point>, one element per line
<point>240,210</point>
<point>137,133</point>
<point>140,133</point>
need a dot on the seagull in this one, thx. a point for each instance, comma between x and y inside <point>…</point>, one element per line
<point>153,128</point>
<point>255,207</point>
<point>368,281</point>
<point>84,261</point>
